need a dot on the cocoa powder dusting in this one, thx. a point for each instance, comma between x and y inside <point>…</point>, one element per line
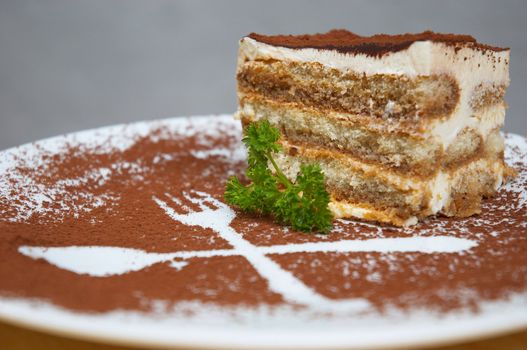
<point>344,41</point>
<point>85,195</point>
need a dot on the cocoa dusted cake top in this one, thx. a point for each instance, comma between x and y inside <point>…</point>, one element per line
<point>376,45</point>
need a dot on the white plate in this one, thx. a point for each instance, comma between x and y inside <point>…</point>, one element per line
<point>212,326</point>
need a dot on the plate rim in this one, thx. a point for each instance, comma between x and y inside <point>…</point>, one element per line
<point>93,334</point>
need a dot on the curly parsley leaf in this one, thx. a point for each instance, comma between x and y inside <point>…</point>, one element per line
<point>303,205</point>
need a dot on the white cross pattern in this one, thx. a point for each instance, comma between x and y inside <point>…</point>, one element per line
<point>106,261</point>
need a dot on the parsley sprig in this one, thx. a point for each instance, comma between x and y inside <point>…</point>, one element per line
<point>303,205</point>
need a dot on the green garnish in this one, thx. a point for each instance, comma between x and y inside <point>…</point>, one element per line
<point>303,205</point>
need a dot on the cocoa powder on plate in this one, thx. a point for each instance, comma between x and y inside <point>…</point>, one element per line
<point>97,197</point>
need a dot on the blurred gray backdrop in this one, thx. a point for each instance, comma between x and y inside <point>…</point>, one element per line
<point>70,65</point>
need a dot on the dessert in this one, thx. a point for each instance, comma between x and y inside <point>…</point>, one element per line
<point>403,126</point>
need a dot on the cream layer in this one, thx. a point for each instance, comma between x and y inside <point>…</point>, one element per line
<point>468,66</point>
<point>483,121</point>
<point>441,196</point>
<point>437,191</point>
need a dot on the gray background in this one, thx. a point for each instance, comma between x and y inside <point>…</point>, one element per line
<point>71,65</point>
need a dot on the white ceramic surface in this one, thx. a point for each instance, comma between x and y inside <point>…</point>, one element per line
<point>214,327</point>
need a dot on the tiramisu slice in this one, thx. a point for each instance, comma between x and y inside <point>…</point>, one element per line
<point>403,126</point>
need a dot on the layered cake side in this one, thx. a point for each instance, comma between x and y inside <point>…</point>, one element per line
<point>403,126</point>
